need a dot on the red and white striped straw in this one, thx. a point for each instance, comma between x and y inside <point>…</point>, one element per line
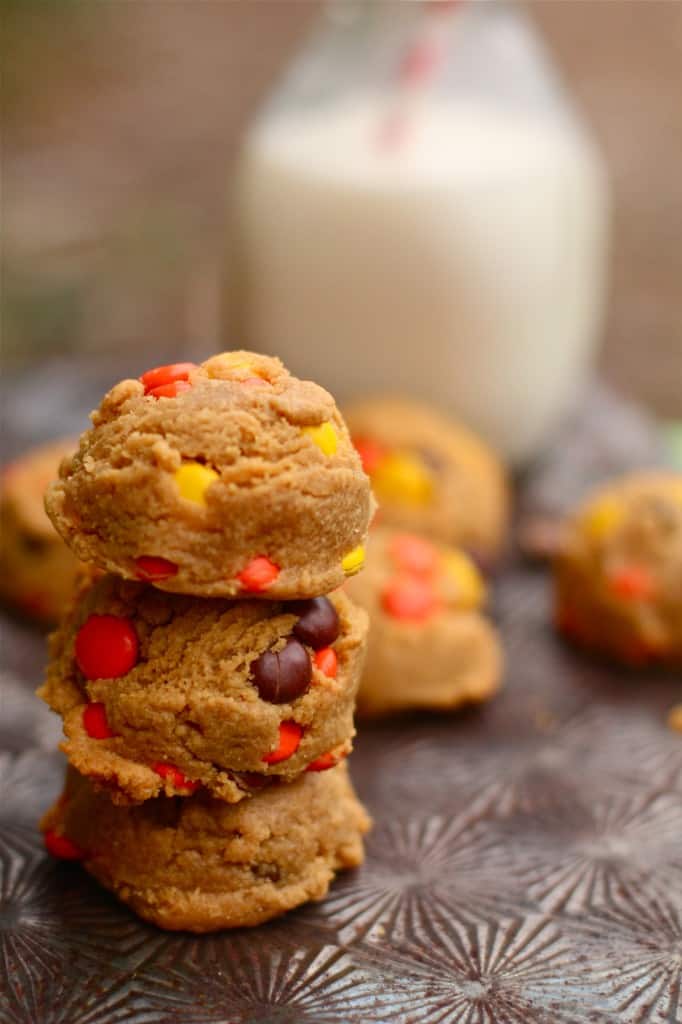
<point>418,68</point>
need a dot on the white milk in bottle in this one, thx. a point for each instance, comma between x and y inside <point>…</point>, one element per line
<point>461,262</point>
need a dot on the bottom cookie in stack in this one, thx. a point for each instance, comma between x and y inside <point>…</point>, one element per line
<point>199,864</point>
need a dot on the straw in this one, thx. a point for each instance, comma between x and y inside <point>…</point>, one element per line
<point>418,68</point>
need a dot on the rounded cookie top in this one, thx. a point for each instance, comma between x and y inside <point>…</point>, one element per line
<point>200,864</point>
<point>37,570</point>
<point>619,571</point>
<point>224,479</point>
<point>164,693</point>
<point>431,475</point>
<point>429,645</point>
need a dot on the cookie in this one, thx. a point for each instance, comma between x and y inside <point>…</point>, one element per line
<point>201,865</point>
<point>37,570</point>
<point>431,475</point>
<point>226,479</point>
<point>162,693</point>
<point>619,574</point>
<point>429,645</point>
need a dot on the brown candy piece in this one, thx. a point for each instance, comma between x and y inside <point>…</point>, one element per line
<point>282,676</point>
<point>318,624</point>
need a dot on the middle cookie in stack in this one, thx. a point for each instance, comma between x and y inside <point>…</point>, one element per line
<point>237,484</point>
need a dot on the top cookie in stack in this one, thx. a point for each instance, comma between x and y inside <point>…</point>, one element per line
<point>186,471</point>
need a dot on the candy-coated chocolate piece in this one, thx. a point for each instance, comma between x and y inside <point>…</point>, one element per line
<point>409,598</point>
<point>62,847</point>
<point>327,662</point>
<point>633,583</point>
<point>193,480</point>
<point>413,553</point>
<point>290,734</point>
<point>470,586</point>
<point>326,761</point>
<point>163,375</point>
<point>282,676</point>
<point>150,568</point>
<point>171,774</point>
<point>228,365</point>
<point>258,574</point>
<point>324,437</point>
<point>172,390</point>
<point>404,478</point>
<point>603,517</point>
<point>318,624</point>
<point>371,453</point>
<point>95,721</point>
<point>106,647</point>
<point>353,561</point>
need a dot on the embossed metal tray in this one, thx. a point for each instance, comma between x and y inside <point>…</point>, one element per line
<point>525,865</point>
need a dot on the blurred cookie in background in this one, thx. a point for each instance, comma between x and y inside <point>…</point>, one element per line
<point>432,475</point>
<point>37,570</point>
<point>429,645</point>
<point>618,574</point>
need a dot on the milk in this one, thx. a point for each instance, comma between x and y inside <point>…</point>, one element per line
<point>462,264</point>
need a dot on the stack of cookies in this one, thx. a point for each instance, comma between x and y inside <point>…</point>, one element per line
<point>207,689</point>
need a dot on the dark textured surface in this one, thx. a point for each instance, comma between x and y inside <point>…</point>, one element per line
<point>525,868</point>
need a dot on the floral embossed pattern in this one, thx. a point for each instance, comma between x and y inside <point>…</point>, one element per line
<point>525,868</point>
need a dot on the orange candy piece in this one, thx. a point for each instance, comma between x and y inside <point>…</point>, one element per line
<point>62,847</point>
<point>413,553</point>
<point>633,583</point>
<point>326,761</point>
<point>173,775</point>
<point>165,376</point>
<point>95,722</point>
<point>290,734</point>
<point>371,453</point>
<point>325,659</point>
<point>258,574</point>
<point>150,568</point>
<point>410,599</point>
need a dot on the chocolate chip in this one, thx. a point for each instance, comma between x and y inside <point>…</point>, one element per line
<point>318,624</point>
<point>281,676</point>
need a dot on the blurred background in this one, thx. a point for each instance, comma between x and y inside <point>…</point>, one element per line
<point>123,120</point>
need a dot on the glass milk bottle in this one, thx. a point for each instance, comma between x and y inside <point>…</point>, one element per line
<point>420,212</point>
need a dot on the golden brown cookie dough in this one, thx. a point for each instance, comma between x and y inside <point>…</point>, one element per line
<point>224,479</point>
<point>429,645</point>
<point>619,574</point>
<point>201,865</point>
<point>37,570</point>
<point>431,475</point>
<point>162,693</point>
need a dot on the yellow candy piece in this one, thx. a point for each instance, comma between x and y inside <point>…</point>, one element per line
<point>602,517</point>
<point>402,478</point>
<point>470,585</point>
<point>229,365</point>
<point>353,561</point>
<point>193,480</point>
<point>324,437</point>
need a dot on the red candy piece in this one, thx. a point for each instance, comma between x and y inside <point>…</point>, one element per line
<point>95,722</point>
<point>289,739</point>
<point>62,847</point>
<point>371,453</point>
<point>327,662</point>
<point>171,390</point>
<point>175,777</point>
<point>161,376</point>
<point>409,598</point>
<point>258,574</point>
<point>106,647</point>
<point>152,569</point>
<point>325,762</point>
<point>634,583</point>
<point>414,554</point>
